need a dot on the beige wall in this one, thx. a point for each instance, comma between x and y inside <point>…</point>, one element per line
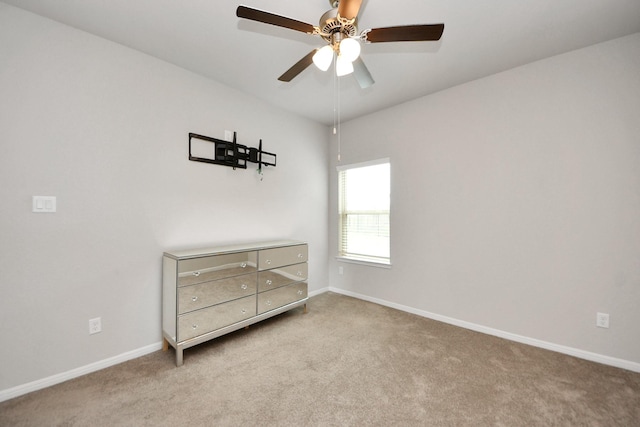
<point>515,202</point>
<point>104,129</point>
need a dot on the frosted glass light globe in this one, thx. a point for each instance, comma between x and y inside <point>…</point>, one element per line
<point>343,66</point>
<point>323,57</point>
<point>350,49</point>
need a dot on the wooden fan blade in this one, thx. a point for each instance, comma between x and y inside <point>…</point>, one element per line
<point>349,9</point>
<point>407,33</point>
<point>298,67</point>
<point>362,74</point>
<point>270,18</point>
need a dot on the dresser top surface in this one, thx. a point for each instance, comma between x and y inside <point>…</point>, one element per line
<point>218,250</point>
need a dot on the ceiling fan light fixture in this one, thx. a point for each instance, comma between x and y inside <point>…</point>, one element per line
<point>338,28</point>
<point>323,57</point>
<point>350,49</point>
<point>343,66</point>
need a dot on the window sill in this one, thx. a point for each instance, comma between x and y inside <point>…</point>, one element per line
<point>363,262</point>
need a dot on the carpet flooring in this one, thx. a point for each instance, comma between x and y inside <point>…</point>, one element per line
<point>346,362</point>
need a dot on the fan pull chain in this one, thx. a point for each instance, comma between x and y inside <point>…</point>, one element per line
<point>336,109</point>
<point>334,96</point>
<point>339,130</point>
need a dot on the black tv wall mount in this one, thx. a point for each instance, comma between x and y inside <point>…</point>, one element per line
<point>227,153</point>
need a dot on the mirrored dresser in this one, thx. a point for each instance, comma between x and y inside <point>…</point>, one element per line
<point>207,293</point>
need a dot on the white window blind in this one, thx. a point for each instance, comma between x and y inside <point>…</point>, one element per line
<point>364,205</point>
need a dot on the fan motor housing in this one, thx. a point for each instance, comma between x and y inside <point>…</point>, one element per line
<point>330,24</point>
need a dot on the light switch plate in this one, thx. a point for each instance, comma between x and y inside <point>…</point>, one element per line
<point>44,204</point>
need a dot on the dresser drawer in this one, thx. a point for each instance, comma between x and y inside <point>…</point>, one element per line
<point>202,295</point>
<point>209,319</point>
<point>278,257</point>
<point>205,269</point>
<point>271,279</point>
<point>282,296</point>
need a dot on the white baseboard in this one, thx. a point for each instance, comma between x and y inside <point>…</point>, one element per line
<point>318,292</point>
<point>93,367</point>
<point>74,373</point>
<point>582,354</point>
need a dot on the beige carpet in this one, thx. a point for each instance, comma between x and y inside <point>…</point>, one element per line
<point>345,363</point>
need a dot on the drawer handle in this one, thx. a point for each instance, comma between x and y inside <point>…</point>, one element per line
<point>268,261</point>
<point>269,282</point>
<point>268,302</point>
<point>243,265</point>
<point>300,292</point>
<point>194,326</point>
<point>244,311</point>
<point>244,286</point>
<point>300,273</point>
<point>196,273</point>
<point>194,299</point>
<point>299,255</point>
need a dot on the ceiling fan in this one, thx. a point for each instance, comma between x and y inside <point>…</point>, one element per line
<point>338,27</point>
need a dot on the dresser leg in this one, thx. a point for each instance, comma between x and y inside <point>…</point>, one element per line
<point>165,344</point>
<point>305,309</point>
<point>179,360</point>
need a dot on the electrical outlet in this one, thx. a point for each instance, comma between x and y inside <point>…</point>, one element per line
<point>602,320</point>
<point>95,325</point>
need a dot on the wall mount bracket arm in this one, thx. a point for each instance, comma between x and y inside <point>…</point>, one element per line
<point>227,153</point>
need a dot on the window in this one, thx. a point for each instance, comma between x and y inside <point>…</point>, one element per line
<point>364,204</point>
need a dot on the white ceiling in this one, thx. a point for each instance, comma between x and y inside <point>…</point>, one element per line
<point>480,38</point>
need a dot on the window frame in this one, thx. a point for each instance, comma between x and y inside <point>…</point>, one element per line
<point>364,260</point>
